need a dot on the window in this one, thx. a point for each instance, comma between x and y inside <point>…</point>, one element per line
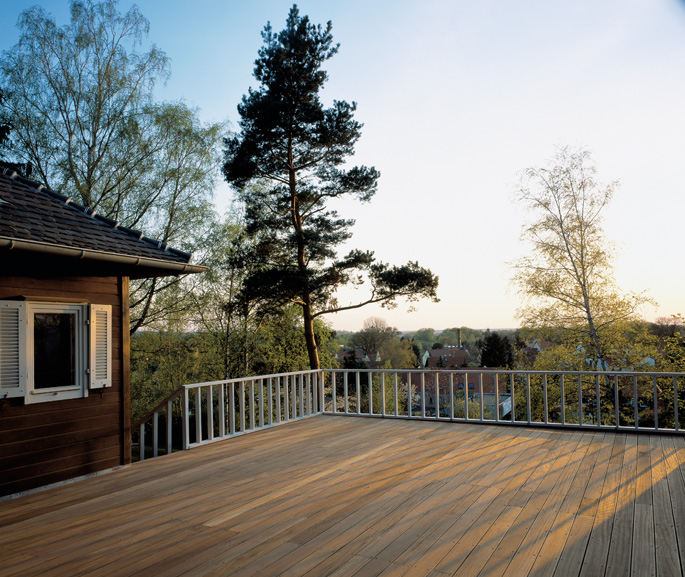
<point>54,351</point>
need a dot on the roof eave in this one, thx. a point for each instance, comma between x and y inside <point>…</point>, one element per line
<point>78,253</point>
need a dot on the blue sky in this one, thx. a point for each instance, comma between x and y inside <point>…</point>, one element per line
<point>457,98</point>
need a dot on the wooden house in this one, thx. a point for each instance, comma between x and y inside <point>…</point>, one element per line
<point>64,334</point>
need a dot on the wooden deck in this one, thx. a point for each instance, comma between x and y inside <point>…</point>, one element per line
<point>363,497</point>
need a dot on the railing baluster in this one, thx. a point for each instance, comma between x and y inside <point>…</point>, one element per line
<point>482,407</point>
<point>155,434</point>
<point>198,415</point>
<point>369,381</point>
<point>409,396</point>
<point>231,408</point>
<point>222,410</point>
<point>169,427</point>
<point>562,399</point>
<point>616,415</point>
<point>544,395</point>
<point>528,397</point>
<point>423,395</point>
<point>675,403</point>
<point>270,400</point>
<point>580,401</point>
<point>656,407</point>
<point>635,404</point>
<point>383,394</point>
<point>512,406</point>
<point>598,400</point>
<point>358,381</point>
<point>186,419</point>
<point>347,408</point>
<point>451,396</point>
<point>397,410</point>
<point>496,398</point>
<point>210,412</point>
<point>260,401</point>
<point>241,401</point>
<point>141,442</point>
<point>466,396</point>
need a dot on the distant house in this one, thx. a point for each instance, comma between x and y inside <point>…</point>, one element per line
<point>354,358</point>
<point>64,334</point>
<point>446,358</point>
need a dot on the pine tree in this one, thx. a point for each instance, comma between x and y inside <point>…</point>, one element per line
<point>287,163</point>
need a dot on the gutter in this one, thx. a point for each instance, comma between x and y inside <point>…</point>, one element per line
<point>78,253</point>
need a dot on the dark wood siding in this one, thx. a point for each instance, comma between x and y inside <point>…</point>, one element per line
<point>54,441</point>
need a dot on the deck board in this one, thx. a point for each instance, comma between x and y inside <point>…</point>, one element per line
<point>377,497</point>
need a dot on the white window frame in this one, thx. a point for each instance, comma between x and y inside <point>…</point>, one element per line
<point>93,325</point>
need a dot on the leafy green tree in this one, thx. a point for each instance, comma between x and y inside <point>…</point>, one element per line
<point>425,338</point>
<point>373,336</point>
<point>80,105</point>
<point>567,278</point>
<point>297,148</point>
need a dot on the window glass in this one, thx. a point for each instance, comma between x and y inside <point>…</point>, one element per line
<point>54,341</point>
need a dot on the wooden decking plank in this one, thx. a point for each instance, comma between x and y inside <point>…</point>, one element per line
<point>621,545</point>
<point>676,491</point>
<point>595,560</point>
<point>553,546</point>
<point>643,554</point>
<point>497,564</point>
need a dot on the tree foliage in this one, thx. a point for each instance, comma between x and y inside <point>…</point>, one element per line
<point>567,278</point>
<point>78,99</point>
<point>297,148</point>
<point>496,351</point>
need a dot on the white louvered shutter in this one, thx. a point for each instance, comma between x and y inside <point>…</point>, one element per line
<point>100,346</point>
<point>12,349</point>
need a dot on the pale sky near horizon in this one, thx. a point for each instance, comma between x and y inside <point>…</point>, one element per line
<point>457,98</point>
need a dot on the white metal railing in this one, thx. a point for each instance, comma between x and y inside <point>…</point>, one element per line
<point>631,401</point>
<point>205,412</point>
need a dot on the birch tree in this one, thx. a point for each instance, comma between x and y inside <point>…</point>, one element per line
<point>567,279</point>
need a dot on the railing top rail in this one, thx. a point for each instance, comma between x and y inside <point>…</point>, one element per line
<point>254,378</point>
<point>510,372</point>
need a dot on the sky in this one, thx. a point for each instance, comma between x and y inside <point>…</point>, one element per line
<point>457,98</point>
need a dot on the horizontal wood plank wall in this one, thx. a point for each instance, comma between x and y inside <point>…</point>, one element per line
<point>54,441</point>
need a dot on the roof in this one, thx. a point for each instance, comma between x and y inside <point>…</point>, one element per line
<point>39,221</point>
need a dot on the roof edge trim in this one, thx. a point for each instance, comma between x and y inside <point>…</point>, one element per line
<point>79,253</point>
